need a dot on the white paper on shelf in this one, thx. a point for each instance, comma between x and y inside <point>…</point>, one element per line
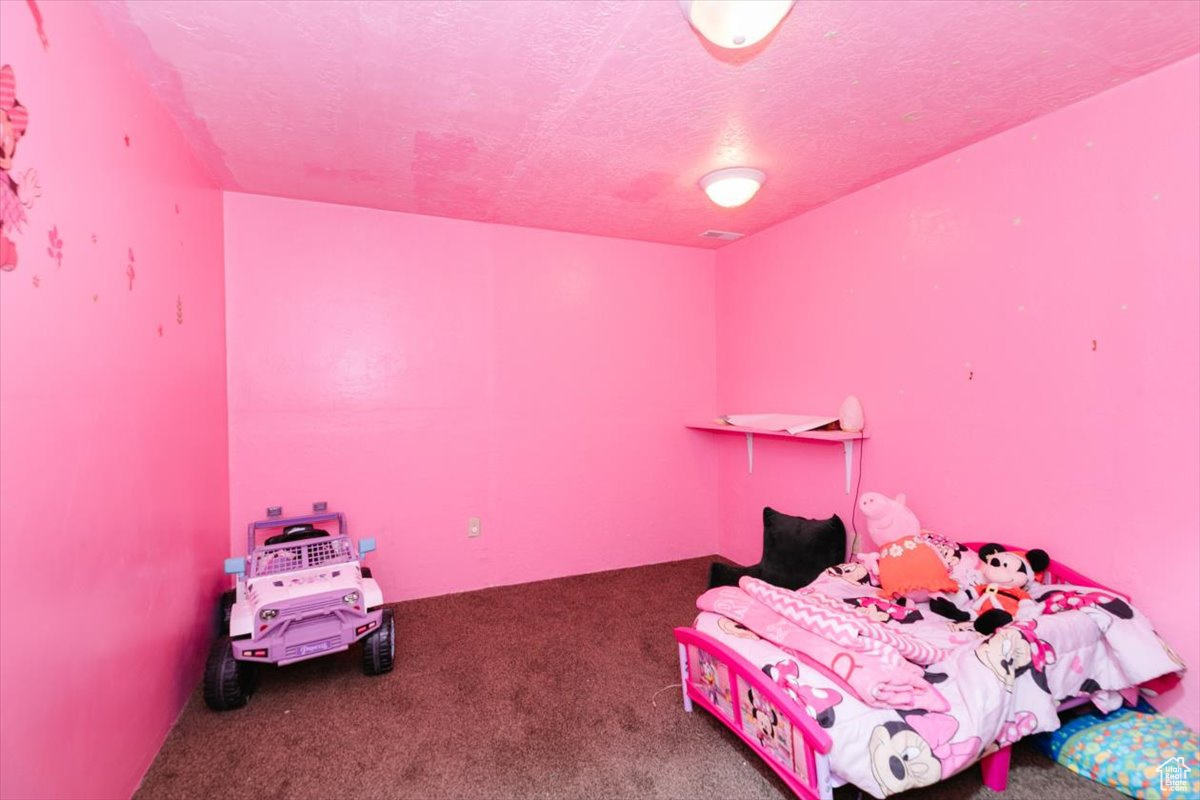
<point>792,423</point>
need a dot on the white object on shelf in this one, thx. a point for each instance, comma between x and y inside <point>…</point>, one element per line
<point>850,417</point>
<point>792,423</point>
<point>734,24</point>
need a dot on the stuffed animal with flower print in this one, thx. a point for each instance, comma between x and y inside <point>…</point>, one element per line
<point>909,564</point>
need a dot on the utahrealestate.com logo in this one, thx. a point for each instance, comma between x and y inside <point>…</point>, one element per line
<point>1173,775</point>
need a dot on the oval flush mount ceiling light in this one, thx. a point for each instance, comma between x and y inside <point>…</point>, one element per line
<point>735,23</point>
<point>732,187</point>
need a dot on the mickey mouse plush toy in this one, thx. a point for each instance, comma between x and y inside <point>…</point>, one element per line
<point>995,600</point>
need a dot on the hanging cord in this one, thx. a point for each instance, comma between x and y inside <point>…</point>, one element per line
<point>663,689</point>
<point>862,447</point>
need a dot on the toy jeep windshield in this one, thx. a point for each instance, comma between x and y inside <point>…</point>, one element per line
<point>300,594</point>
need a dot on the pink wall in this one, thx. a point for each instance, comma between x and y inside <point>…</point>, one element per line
<point>113,465</point>
<point>960,302</point>
<point>416,371</point>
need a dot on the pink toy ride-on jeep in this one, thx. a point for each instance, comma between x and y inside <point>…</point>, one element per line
<point>301,594</point>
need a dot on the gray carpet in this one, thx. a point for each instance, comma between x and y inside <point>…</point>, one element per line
<point>545,690</point>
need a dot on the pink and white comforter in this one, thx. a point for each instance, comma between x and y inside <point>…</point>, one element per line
<point>910,698</point>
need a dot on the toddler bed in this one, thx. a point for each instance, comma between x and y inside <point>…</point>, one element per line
<point>904,698</point>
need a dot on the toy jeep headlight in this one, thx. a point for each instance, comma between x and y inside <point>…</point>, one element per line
<point>350,598</point>
<point>268,614</point>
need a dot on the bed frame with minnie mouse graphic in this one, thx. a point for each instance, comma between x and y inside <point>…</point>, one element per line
<point>779,729</point>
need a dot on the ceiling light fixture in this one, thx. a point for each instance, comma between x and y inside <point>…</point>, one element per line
<point>735,23</point>
<point>732,187</point>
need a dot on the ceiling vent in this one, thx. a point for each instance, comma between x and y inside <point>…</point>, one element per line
<point>725,236</point>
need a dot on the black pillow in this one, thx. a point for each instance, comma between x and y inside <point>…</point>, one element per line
<point>796,550</point>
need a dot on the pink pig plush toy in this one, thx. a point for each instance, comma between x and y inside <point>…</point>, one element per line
<point>909,566</point>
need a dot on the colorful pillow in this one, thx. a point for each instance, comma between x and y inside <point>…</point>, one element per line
<point>1134,750</point>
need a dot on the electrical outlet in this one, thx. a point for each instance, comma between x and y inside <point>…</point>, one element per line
<point>474,527</point>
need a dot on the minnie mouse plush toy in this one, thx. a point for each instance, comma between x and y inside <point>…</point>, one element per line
<point>996,599</point>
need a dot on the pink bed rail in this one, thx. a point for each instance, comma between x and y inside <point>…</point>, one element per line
<point>773,725</point>
<point>777,728</point>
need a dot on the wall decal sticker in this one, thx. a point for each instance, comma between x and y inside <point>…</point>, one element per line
<point>177,208</point>
<point>37,282</point>
<point>18,192</point>
<point>37,20</point>
<point>129,271</point>
<point>127,140</point>
<point>178,310</point>
<point>160,330</point>
<point>95,298</point>
<point>56,246</point>
<point>94,239</point>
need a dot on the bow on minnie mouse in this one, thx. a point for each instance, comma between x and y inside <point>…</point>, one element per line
<point>995,600</point>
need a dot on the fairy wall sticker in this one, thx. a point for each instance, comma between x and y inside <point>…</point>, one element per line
<point>18,191</point>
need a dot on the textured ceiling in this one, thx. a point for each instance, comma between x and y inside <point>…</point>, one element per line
<point>600,117</point>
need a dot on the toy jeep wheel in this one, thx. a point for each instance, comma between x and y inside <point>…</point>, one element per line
<point>227,600</point>
<point>379,647</point>
<point>228,683</point>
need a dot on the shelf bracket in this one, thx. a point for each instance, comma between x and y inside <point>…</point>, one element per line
<point>848,449</point>
<point>750,453</point>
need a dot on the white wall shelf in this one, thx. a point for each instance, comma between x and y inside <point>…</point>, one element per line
<point>845,437</point>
